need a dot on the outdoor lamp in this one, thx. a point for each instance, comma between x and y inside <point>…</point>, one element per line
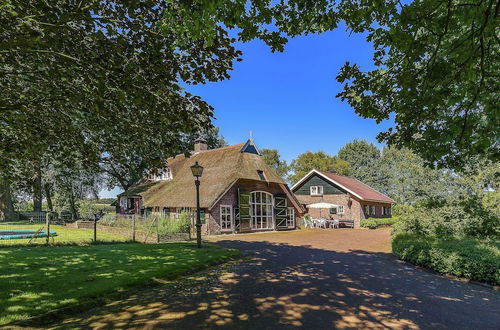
<point>197,170</point>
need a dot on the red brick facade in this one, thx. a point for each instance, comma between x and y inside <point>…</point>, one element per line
<point>353,207</point>
<point>230,198</point>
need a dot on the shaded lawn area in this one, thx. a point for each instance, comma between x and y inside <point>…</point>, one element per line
<point>65,235</point>
<point>37,280</point>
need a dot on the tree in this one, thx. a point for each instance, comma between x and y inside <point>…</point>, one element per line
<point>124,172</point>
<point>437,67</point>
<point>6,206</point>
<point>363,158</point>
<point>316,160</point>
<point>409,181</point>
<point>273,159</point>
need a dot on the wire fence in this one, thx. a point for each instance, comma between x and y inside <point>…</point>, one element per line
<point>34,228</point>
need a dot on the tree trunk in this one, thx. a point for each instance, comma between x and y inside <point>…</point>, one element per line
<point>6,206</point>
<point>48,196</point>
<point>72,205</point>
<point>37,187</point>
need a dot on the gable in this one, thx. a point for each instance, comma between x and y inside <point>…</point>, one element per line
<point>250,148</point>
<point>315,180</point>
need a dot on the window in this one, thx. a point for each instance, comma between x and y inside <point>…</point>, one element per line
<point>316,190</point>
<point>226,217</point>
<point>333,210</point>
<point>372,209</point>
<point>261,175</point>
<point>386,210</point>
<point>290,217</point>
<point>367,210</point>
<point>389,211</point>
<point>165,212</point>
<point>165,174</point>
<point>340,209</point>
<point>261,210</point>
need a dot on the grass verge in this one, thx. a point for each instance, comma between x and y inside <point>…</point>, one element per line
<point>42,280</point>
<point>470,258</point>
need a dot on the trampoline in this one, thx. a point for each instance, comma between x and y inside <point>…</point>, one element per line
<point>20,234</point>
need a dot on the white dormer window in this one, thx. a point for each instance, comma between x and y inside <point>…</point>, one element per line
<point>316,190</point>
<point>164,175</point>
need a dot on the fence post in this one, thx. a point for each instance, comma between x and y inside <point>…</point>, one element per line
<point>133,228</point>
<point>47,222</point>
<point>157,231</point>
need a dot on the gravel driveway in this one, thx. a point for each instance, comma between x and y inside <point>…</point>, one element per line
<point>311,279</point>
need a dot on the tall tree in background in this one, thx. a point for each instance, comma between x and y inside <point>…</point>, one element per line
<point>316,160</point>
<point>273,159</point>
<point>363,158</point>
<point>409,181</point>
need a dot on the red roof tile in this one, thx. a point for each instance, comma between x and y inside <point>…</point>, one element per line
<point>358,188</point>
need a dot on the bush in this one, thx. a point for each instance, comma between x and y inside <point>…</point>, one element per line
<point>470,258</point>
<point>369,223</point>
<point>374,223</point>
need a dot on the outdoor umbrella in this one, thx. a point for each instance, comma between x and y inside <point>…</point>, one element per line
<point>321,206</point>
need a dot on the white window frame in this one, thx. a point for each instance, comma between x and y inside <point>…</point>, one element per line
<point>225,221</point>
<point>340,209</point>
<point>290,217</point>
<point>316,190</point>
<point>367,209</point>
<point>257,218</point>
<point>165,174</point>
<point>373,210</point>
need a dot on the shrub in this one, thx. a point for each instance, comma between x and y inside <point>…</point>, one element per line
<point>471,258</point>
<point>373,223</point>
<point>369,223</point>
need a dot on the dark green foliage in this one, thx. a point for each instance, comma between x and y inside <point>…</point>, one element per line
<point>363,158</point>
<point>320,161</point>
<point>437,66</point>
<point>273,159</point>
<point>471,258</point>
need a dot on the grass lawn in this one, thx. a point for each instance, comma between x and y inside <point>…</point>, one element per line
<point>39,279</point>
<point>64,234</point>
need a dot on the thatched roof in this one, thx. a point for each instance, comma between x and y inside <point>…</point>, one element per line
<point>222,167</point>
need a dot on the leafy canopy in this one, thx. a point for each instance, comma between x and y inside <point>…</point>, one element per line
<point>316,160</point>
<point>273,159</point>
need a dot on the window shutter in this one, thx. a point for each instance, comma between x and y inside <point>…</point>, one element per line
<point>280,208</point>
<point>244,204</point>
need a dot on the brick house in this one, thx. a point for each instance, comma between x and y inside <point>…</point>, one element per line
<point>238,192</point>
<point>353,199</point>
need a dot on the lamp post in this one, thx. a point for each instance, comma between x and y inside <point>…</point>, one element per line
<point>197,171</point>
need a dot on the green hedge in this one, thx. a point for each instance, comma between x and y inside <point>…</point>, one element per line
<point>373,223</point>
<point>470,258</point>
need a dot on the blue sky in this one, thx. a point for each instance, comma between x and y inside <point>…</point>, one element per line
<point>288,99</point>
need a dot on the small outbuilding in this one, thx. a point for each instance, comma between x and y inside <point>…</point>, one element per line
<point>346,199</point>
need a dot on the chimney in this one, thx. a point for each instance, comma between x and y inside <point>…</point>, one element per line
<point>200,144</point>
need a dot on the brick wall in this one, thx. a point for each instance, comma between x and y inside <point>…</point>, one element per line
<point>231,198</point>
<point>353,210</point>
